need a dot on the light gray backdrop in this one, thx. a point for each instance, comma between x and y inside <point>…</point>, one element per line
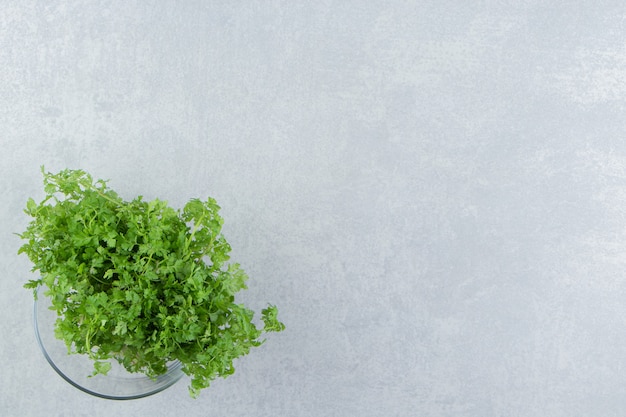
<point>432,192</point>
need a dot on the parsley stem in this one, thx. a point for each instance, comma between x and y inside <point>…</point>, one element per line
<point>103,195</point>
<point>196,226</point>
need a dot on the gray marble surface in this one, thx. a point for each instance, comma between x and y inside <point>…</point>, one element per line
<point>433,192</point>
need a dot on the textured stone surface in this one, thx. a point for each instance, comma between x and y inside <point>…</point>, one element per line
<point>433,192</point>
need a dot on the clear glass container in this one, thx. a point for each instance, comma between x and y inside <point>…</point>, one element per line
<point>118,384</point>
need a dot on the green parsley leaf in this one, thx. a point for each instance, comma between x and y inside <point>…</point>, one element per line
<point>138,281</point>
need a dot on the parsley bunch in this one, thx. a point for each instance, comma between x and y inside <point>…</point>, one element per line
<point>138,281</point>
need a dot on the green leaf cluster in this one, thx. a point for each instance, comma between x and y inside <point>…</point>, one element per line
<point>138,281</point>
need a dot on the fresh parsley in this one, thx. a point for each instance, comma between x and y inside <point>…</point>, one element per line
<point>138,281</point>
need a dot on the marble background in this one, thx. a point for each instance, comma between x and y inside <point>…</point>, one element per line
<point>432,192</point>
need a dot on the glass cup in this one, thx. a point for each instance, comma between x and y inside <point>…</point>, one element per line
<point>118,384</point>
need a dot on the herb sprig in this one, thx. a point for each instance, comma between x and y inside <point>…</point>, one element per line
<point>138,281</point>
